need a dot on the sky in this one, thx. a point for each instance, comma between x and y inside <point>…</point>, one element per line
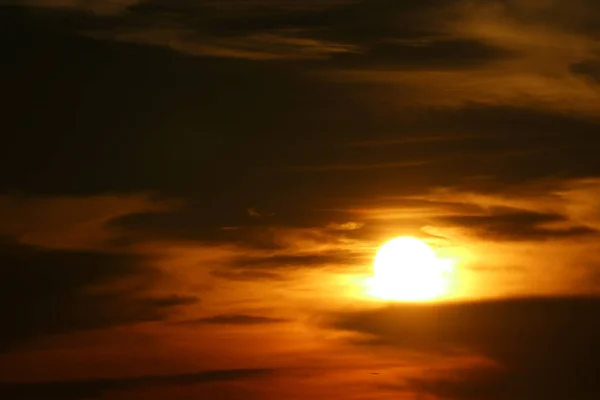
<point>192,194</point>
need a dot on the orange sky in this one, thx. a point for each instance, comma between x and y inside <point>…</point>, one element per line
<point>193,193</point>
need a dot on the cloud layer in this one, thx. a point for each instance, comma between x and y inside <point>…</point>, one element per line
<point>537,358</point>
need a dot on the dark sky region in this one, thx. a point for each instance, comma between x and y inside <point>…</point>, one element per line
<point>192,193</point>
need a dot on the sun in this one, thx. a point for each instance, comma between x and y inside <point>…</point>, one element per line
<point>407,269</point>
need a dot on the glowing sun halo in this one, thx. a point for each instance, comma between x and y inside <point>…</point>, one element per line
<point>407,269</point>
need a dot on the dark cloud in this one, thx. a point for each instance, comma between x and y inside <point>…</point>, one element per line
<point>357,167</point>
<point>298,260</point>
<point>201,225</point>
<point>207,224</point>
<point>177,122</point>
<point>507,146</point>
<point>362,22</point>
<point>247,275</point>
<point>278,267</point>
<point>380,34</point>
<point>98,7</point>
<point>323,20</point>
<point>510,144</point>
<point>221,223</point>
<point>589,69</point>
<point>376,34</point>
<point>169,125</point>
<point>427,55</point>
<point>234,319</point>
<point>513,224</point>
<point>97,388</point>
<point>46,292</point>
<point>546,348</point>
<point>578,16</point>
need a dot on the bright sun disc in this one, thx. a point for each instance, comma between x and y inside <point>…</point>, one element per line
<point>407,269</point>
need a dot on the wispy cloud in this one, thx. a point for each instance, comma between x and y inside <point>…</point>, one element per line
<point>276,45</point>
<point>233,319</point>
<point>100,7</point>
<point>68,222</point>
<point>97,387</point>
<point>357,167</point>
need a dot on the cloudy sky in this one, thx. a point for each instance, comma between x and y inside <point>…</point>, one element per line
<point>192,193</point>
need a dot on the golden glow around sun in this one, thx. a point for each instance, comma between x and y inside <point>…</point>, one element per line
<point>407,269</point>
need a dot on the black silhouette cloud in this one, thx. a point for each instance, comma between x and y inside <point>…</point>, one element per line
<point>546,348</point>
<point>45,292</point>
<point>97,388</point>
